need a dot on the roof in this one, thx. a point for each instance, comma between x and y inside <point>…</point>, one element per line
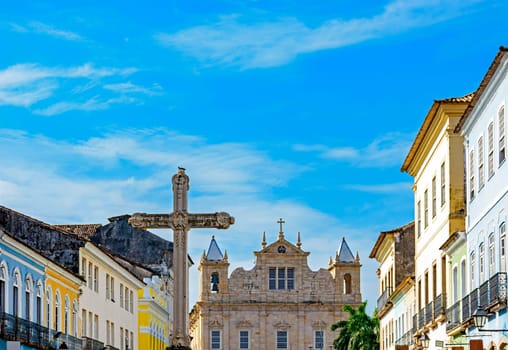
<point>427,122</point>
<point>81,230</point>
<point>383,234</point>
<point>214,253</point>
<point>483,85</point>
<point>345,254</point>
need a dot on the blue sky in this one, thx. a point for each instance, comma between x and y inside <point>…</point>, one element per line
<point>301,110</point>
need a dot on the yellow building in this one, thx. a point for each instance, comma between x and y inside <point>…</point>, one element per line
<point>154,319</point>
<point>61,306</point>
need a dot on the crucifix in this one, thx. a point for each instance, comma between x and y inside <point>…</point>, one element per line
<point>281,233</point>
<point>180,221</point>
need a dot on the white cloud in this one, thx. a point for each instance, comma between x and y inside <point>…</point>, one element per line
<point>385,151</point>
<point>230,42</point>
<point>46,29</point>
<point>382,188</point>
<point>130,88</point>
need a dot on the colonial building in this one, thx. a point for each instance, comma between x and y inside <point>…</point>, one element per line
<point>395,251</point>
<point>484,129</point>
<point>279,304</point>
<point>436,162</point>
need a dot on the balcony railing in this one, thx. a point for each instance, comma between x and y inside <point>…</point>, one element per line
<point>415,324</point>
<point>466,309</point>
<point>497,288</point>
<point>39,337</point>
<point>406,339</point>
<point>383,298</point>
<point>453,315</point>
<point>439,305</point>
<point>428,312</point>
<point>484,295</point>
<point>421,319</point>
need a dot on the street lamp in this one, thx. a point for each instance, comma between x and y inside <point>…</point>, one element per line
<point>424,340</point>
<point>479,320</point>
<point>63,346</point>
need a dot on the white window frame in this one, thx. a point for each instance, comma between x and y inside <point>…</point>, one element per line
<point>481,168</point>
<point>490,160</point>
<point>281,339</point>
<point>501,135</point>
<point>316,339</point>
<point>215,339</point>
<point>242,339</point>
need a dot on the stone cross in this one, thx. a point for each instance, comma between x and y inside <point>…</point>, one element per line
<point>180,221</point>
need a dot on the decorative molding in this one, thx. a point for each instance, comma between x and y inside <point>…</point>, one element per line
<point>319,325</point>
<point>244,324</point>
<point>214,324</point>
<point>282,325</point>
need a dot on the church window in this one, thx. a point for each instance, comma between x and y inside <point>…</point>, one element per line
<point>502,143</point>
<point>490,140</point>
<point>271,278</point>
<point>319,340</point>
<point>347,283</point>
<point>291,278</point>
<point>214,282</point>
<point>281,285</point>
<point>215,339</point>
<point>282,340</point>
<point>281,278</point>
<point>481,171</point>
<point>443,184</point>
<point>244,339</point>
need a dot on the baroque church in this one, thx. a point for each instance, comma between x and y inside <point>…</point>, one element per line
<point>279,304</point>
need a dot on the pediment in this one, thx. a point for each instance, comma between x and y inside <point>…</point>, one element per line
<point>244,324</point>
<point>282,246</point>
<point>319,325</point>
<point>214,324</point>
<point>281,325</point>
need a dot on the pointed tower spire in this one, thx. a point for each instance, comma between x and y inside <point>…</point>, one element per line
<point>214,253</point>
<point>345,254</point>
<point>225,255</point>
<point>263,243</point>
<point>281,233</point>
<point>299,242</point>
<point>330,262</point>
<point>357,258</point>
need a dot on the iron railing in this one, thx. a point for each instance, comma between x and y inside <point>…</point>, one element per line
<point>428,312</point>
<point>453,315</point>
<point>483,300</point>
<point>383,298</point>
<point>405,339</point>
<point>421,319</point>
<point>466,309</point>
<point>497,288</point>
<point>92,344</point>
<point>439,305</point>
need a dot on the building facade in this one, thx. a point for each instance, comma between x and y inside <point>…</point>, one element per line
<point>279,304</point>
<point>394,250</point>
<point>483,127</point>
<point>435,161</point>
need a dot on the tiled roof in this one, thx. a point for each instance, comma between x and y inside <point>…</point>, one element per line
<point>485,81</point>
<point>81,230</point>
<point>383,234</point>
<point>466,98</point>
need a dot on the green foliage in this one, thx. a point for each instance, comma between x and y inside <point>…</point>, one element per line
<point>359,332</point>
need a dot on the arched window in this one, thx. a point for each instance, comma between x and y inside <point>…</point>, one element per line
<point>28,297</point>
<point>49,306</point>
<point>16,284</point>
<point>75,318</point>
<point>66,314</point>
<point>57,310</point>
<point>482,262</point>
<point>502,247</point>
<point>492,257</point>
<point>3,283</point>
<point>214,282</point>
<point>347,283</point>
<point>38,304</point>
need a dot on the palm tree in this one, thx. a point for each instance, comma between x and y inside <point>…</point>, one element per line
<point>359,332</point>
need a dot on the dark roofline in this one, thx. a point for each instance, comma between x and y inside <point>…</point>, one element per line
<point>382,236</point>
<point>483,85</point>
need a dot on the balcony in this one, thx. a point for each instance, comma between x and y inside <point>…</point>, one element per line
<point>428,312</point>
<point>439,306</point>
<point>453,315</point>
<point>39,337</point>
<point>466,309</point>
<point>415,324</point>
<point>383,299</point>
<point>497,288</point>
<point>421,319</point>
<point>406,339</point>
<point>484,295</point>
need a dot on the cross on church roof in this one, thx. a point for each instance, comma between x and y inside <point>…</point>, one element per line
<point>281,233</point>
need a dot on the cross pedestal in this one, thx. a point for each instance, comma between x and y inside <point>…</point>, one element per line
<point>180,221</point>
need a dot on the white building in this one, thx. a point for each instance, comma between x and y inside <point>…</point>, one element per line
<point>435,160</point>
<point>109,300</point>
<point>484,129</point>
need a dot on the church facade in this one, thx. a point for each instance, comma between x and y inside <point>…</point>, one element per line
<point>279,304</point>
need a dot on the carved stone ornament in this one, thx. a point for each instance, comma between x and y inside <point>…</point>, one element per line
<point>244,324</point>
<point>214,324</point>
<point>224,220</point>
<point>281,325</point>
<point>319,325</point>
<point>180,220</point>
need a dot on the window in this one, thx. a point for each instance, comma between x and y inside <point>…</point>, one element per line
<point>112,288</point>
<point>319,340</point>
<point>425,208</point>
<point>38,305</point>
<point>455,284</point>
<point>75,318</point>
<point>492,257</point>
<point>471,175</point>
<point>282,340</point>
<point>96,279</point>
<point>473,266</point>
<point>131,302</point>
<point>126,299</point>
<point>502,143</point>
<point>108,333</point>
<point>443,185</point>
<point>121,338</point>
<point>15,295</point>
<point>481,171</point>
<point>491,149</point>
<point>96,326</point>
<point>426,281</point>
<point>48,308</point>
<point>83,323</point>
<point>66,315</point>
<point>281,278</point>
<point>57,311</point>
<point>244,339</point>
<point>83,268</point>
<point>28,299</point>
<point>481,261</point>
<point>434,199</point>
<point>463,278</point>
<point>215,341</point>
<point>108,287</point>
<point>3,274</point>
<point>418,218</point>
<point>121,294</point>
<point>90,270</point>
<point>347,283</point>
<point>502,247</point>
<point>214,282</point>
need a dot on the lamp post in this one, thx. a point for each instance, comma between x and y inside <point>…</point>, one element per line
<point>479,320</point>
<point>424,341</point>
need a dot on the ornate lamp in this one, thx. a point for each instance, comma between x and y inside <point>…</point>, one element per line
<point>424,341</point>
<point>479,317</point>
